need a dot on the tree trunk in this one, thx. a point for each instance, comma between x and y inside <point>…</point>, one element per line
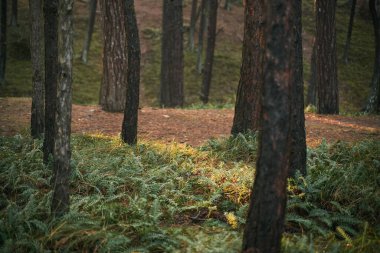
<point>36,51</point>
<point>327,75</point>
<point>211,37</point>
<point>129,128</point>
<point>266,212</point>
<point>349,32</point>
<point>3,39</point>
<point>297,122</point>
<point>248,97</point>
<point>202,28</point>
<point>14,15</point>
<point>373,102</point>
<point>115,56</point>
<point>90,29</point>
<point>51,70</point>
<point>227,5</point>
<point>311,90</point>
<point>62,151</point>
<point>172,54</point>
<point>193,21</point>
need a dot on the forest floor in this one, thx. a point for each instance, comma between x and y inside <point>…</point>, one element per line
<point>193,127</point>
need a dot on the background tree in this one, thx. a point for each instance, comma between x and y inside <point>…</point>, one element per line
<point>14,13</point>
<point>349,31</point>
<point>36,51</point>
<point>129,128</point>
<point>201,32</point>
<point>51,70</point>
<point>227,5</point>
<point>193,21</point>
<point>62,151</point>
<point>266,213</point>
<point>90,29</point>
<point>171,91</point>
<point>3,39</point>
<point>373,103</point>
<point>327,75</point>
<point>249,92</point>
<point>115,56</point>
<point>211,37</point>
<point>311,98</point>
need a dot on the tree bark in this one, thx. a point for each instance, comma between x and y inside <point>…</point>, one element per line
<point>129,128</point>
<point>51,70</point>
<point>373,102</point>
<point>193,21</point>
<point>62,151</point>
<point>349,32</point>
<point>327,75</point>
<point>90,30</point>
<point>36,51</point>
<point>115,56</point>
<point>3,39</point>
<point>297,122</point>
<point>171,94</point>
<point>14,15</point>
<point>266,212</point>
<point>311,90</point>
<point>248,97</point>
<point>211,37</point>
<point>201,32</point>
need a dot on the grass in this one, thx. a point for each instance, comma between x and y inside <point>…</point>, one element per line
<point>174,198</point>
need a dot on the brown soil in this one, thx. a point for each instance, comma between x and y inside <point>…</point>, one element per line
<point>193,127</point>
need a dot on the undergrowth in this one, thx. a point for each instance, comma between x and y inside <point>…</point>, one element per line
<point>174,198</point>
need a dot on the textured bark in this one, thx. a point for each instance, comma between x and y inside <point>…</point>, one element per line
<point>3,39</point>
<point>201,32</point>
<point>349,32</point>
<point>36,51</point>
<point>373,103</point>
<point>171,94</point>
<point>297,121</point>
<point>211,38</point>
<point>248,97</point>
<point>14,13</point>
<point>327,74</point>
<point>193,21</point>
<point>266,213</point>
<point>311,98</point>
<point>115,56</point>
<point>90,30</point>
<point>51,70</point>
<point>129,128</point>
<point>62,151</point>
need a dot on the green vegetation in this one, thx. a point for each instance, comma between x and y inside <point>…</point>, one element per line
<point>174,198</point>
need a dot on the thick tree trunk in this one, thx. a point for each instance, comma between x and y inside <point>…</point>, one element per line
<point>248,97</point>
<point>327,74</point>
<point>37,52</point>
<point>349,32</point>
<point>62,151</point>
<point>297,122</point>
<point>193,21</point>
<point>129,128</point>
<point>211,37</point>
<point>3,39</point>
<point>266,212</point>
<point>311,90</point>
<point>115,56</point>
<point>373,103</point>
<point>51,70</point>
<point>90,30</point>
<point>171,94</point>
<point>201,32</point>
<point>14,14</point>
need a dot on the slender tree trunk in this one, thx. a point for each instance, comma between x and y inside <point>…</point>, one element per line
<point>193,21</point>
<point>90,30</point>
<point>171,94</point>
<point>14,15</point>
<point>373,102</point>
<point>115,56</point>
<point>266,212</point>
<point>297,122</point>
<point>37,52</point>
<point>311,90</point>
<point>202,28</point>
<point>51,70</point>
<point>62,151</point>
<point>349,32</point>
<point>211,37</point>
<point>327,75</point>
<point>129,128</point>
<point>3,39</point>
<point>248,97</point>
